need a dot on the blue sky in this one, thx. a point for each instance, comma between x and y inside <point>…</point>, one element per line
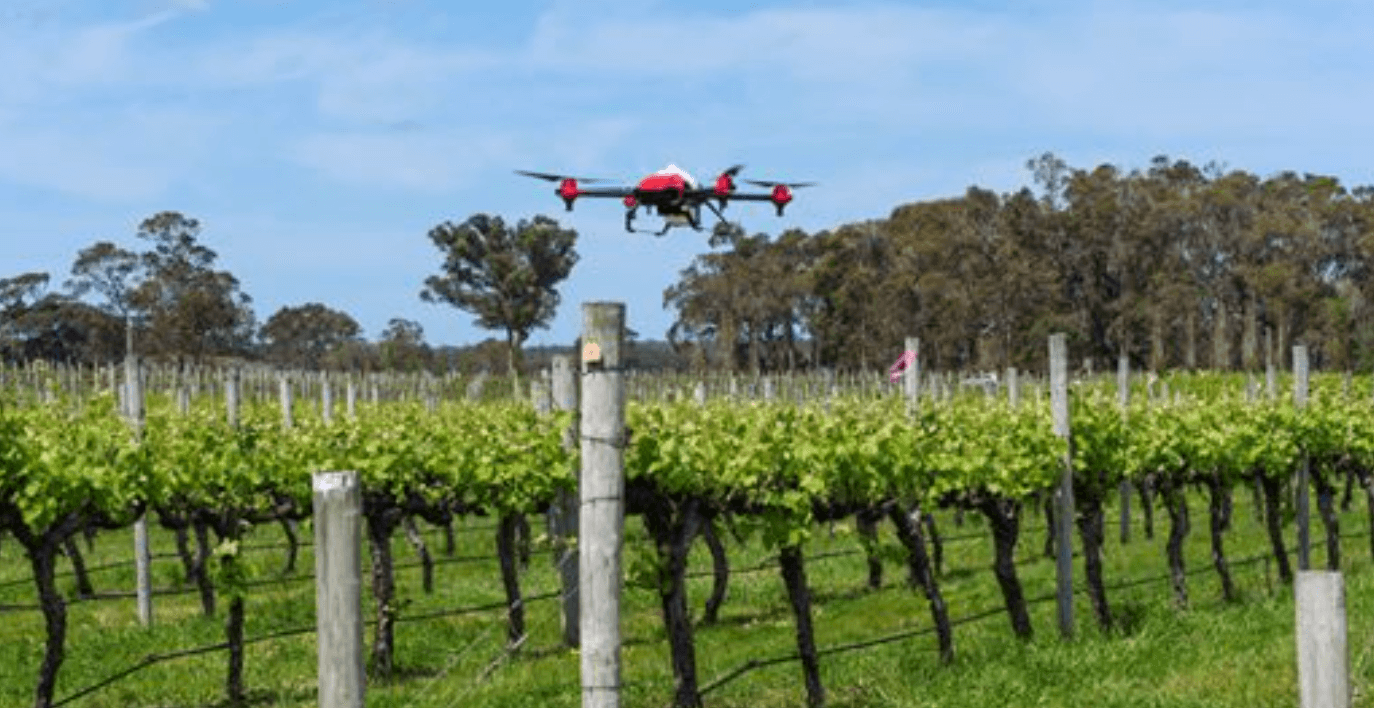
<point>317,142</point>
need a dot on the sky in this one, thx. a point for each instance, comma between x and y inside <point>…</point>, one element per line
<point>317,142</point>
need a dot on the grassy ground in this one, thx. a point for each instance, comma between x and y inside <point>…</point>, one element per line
<point>1210,654</point>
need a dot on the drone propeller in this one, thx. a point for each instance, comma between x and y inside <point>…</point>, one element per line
<point>789,185</point>
<point>733,170</point>
<point>557,178</point>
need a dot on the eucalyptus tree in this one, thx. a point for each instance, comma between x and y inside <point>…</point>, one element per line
<point>190,310</point>
<point>506,277</point>
<point>303,336</point>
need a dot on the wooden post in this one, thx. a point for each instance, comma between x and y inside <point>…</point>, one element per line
<point>1064,511</point>
<point>1323,655</point>
<point>564,509</point>
<point>231,396</point>
<point>601,524</point>
<point>284,387</point>
<point>1013,388</point>
<point>911,378</point>
<point>1301,503</point>
<point>338,588</point>
<point>1271,377</point>
<point>143,559</point>
<point>326,399</point>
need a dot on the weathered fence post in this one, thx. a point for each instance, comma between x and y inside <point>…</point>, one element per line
<point>564,508</point>
<point>338,588</point>
<point>601,520</point>
<point>133,402</point>
<point>1323,655</point>
<point>911,378</point>
<point>1301,503</point>
<point>1064,511</point>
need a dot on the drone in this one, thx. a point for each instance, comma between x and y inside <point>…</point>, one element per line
<point>674,194</point>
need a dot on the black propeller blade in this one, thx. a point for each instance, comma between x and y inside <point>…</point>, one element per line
<point>734,170</point>
<point>789,185</point>
<point>557,178</point>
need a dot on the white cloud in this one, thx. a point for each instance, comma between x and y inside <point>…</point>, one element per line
<point>122,155</point>
<point>417,160</point>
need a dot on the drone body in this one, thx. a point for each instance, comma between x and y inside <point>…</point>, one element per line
<point>673,194</point>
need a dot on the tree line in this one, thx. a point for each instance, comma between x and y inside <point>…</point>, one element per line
<point>1172,265</point>
<point>173,300</point>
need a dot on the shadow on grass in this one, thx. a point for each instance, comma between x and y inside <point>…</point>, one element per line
<point>261,697</point>
<point>401,673</point>
<point>1127,617</point>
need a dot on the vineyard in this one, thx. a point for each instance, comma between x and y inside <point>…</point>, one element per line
<point>804,495</point>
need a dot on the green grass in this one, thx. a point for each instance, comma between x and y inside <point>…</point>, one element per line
<point>1209,654</point>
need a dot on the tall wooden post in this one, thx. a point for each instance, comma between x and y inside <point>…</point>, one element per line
<point>564,508</point>
<point>326,399</point>
<point>338,514</point>
<point>911,378</point>
<point>287,403</point>
<point>601,526</point>
<point>133,401</point>
<point>1064,511</point>
<point>1301,503</point>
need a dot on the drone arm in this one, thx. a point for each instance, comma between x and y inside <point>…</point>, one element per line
<point>606,192</point>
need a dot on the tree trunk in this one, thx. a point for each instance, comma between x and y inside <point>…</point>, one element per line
<point>188,559</point>
<point>720,570</point>
<point>919,564</point>
<point>513,342</point>
<point>937,544</point>
<point>83,580</point>
<point>794,577</point>
<point>380,524</point>
<point>1147,505</point>
<point>1367,481</point>
<point>418,543</point>
<point>867,522</point>
<point>1047,505</point>
<point>1090,529</point>
<point>1004,517</point>
<point>1326,506</point>
<point>233,634</point>
<point>522,527</point>
<point>293,545</point>
<point>228,530</point>
<point>43,560</point>
<point>200,571</point>
<point>1177,505</point>
<point>1273,523</point>
<point>673,526</point>
<point>510,577</point>
<point>1220,514</point>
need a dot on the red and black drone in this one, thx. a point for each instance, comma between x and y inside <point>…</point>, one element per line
<point>674,194</point>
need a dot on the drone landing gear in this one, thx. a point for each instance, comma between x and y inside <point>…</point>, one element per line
<point>629,225</point>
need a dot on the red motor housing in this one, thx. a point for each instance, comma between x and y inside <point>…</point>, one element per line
<point>567,189</point>
<point>781,196</point>
<point>630,201</point>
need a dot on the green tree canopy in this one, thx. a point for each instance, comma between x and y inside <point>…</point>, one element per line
<point>303,336</point>
<point>506,277</point>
